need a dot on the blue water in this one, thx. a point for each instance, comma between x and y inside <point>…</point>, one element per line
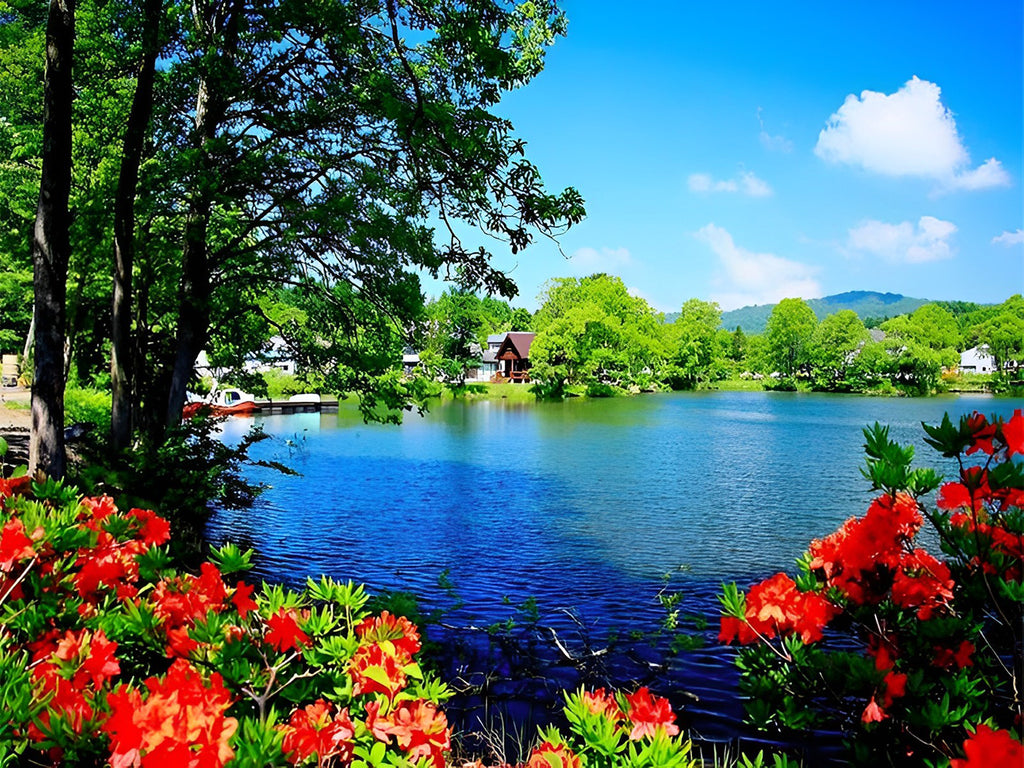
<point>582,505</point>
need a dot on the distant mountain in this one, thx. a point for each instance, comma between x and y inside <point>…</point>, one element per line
<point>865,303</point>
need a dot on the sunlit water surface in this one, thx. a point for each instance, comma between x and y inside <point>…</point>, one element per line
<point>584,505</point>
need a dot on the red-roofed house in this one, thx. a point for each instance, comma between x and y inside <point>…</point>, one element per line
<point>513,356</point>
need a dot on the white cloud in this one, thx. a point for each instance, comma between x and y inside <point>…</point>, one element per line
<point>1010,238</point>
<point>907,133</point>
<point>989,174</point>
<point>770,142</point>
<point>905,242</point>
<point>747,183</point>
<point>587,261</point>
<point>756,278</point>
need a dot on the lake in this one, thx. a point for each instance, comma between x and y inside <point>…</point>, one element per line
<point>583,505</point>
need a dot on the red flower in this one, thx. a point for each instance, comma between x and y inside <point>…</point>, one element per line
<point>549,755</point>
<point>895,687</point>
<point>313,730</point>
<point>922,582</point>
<point>419,728</point>
<point>180,723</point>
<point>987,748</point>
<point>284,633</point>
<point>153,529</point>
<point>981,434</point>
<point>242,600</point>
<point>598,703</point>
<point>374,670</point>
<point>776,606</point>
<point>648,713</point>
<point>396,630</point>
<point>14,486</point>
<point>873,713</point>
<point>15,546</point>
<point>1013,434</point>
<point>99,507</point>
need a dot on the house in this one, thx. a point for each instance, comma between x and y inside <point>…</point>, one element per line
<point>513,356</point>
<point>488,359</point>
<point>977,360</point>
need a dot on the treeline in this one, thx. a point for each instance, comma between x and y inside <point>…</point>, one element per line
<point>594,338</point>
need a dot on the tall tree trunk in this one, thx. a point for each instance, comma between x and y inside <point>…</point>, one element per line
<point>220,22</point>
<point>121,368</point>
<point>51,245</point>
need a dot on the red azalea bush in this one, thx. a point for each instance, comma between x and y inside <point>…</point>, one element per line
<point>927,663</point>
<point>109,654</point>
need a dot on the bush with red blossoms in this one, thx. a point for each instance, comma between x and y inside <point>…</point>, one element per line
<point>110,655</point>
<point>926,660</point>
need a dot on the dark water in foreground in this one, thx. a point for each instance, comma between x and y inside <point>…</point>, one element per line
<point>582,505</point>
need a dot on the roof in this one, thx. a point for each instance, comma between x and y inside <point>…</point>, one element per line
<point>518,343</point>
<point>496,338</point>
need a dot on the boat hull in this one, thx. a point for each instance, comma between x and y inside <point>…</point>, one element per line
<point>245,408</point>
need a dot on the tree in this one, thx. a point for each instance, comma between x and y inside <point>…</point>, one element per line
<point>456,323</point>
<point>1004,332</point>
<point>51,245</point>
<point>692,345</point>
<point>592,334</point>
<point>788,334</point>
<point>301,145</point>
<point>738,345</point>
<point>834,346</point>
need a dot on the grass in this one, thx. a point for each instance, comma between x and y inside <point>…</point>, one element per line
<point>738,385</point>
<point>510,393</point>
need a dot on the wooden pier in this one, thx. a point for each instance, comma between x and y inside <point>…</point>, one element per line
<point>274,407</point>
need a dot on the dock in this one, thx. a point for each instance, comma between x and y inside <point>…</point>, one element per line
<point>274,407</point>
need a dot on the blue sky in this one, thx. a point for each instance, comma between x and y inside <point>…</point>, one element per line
<point>745,152</point>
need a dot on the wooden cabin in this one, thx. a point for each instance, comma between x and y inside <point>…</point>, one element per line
<point>513,357</point>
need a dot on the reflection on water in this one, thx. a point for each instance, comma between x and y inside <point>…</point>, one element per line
<point>583,503</point>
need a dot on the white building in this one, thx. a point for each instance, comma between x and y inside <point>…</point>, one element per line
<point>977,360</point>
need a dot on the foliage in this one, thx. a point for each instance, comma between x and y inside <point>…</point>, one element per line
<point>87,406</point>
<point>1004,331</point>
<point>932,649</point>
<point>833,349</point>
<point>181,478</point>
<point>695,356</point>
<point>788,336</point>
<point>592,333</point>
<point>607,729</point>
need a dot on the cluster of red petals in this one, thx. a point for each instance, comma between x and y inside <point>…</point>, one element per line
<point>647,714</point>
<point>387,628</point>
<point>14,486</point>
<point>418,727</point>
<point>181,722</point>
<point>987,748</point>
<point>961,657</point>
<point>1013,434</point>
<point>923,583</point>
<point>374,670</point>
<point>284,633</point>
<point>67,673</point>
<point>15,545</point>
<point>857,558</point>
<point>600,703</point>
<point>110,564</point>
<point>777,607</point>
<point>315,729</point>
<point>549,755</point>
<point>873,713</point>
<point>184,599</point>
